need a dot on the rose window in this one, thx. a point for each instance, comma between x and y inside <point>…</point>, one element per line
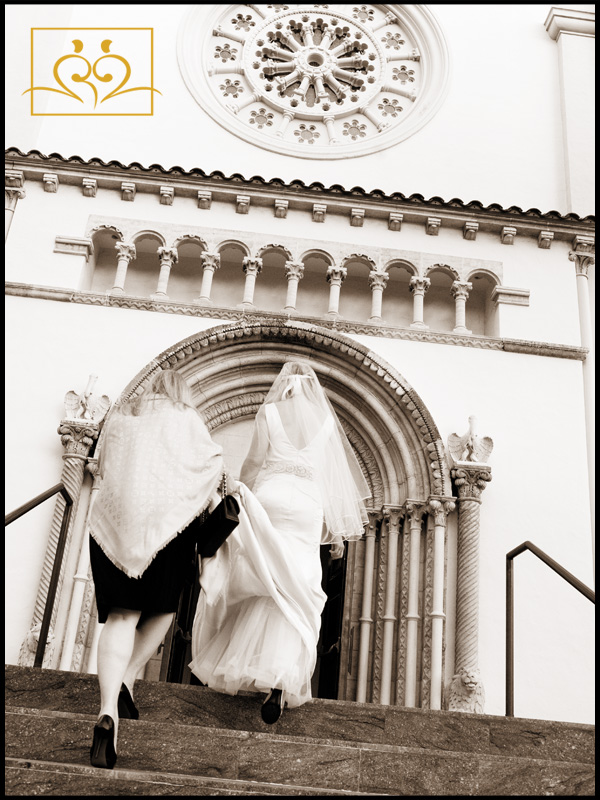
<point>341,78</point>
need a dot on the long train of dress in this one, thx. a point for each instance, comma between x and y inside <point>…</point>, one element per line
<point>259,612</point>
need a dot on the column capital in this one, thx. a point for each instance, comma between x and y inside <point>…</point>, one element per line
<point>377,279</point>
<point>414,511</point>
<point>419,285</point>
<point>11,196</point>
<point>294,269</point>
<point>374,517</point>
<point>470,480</point>
<point>392,515</point>
<point>460,289</point>
<point>252,266</point>
<point>167,256</point>
<point>210,260</point>
<point>77,437</point>
<point>125,251</point>
<point>336,275</point>
<point>439,507</point>
<point>583,261</point>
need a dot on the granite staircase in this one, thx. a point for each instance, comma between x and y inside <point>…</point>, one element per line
<point>192,741</point>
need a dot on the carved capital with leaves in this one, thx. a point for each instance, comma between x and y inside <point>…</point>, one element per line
<point>439,508</point>
<point>77,437</point>
<point>470,483</point>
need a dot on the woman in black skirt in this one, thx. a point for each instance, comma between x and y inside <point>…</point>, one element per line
<point>158,470</point>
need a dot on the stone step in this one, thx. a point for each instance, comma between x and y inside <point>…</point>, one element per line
<point>368,723</point>
<point>24,777</point>
<point>291,760</point>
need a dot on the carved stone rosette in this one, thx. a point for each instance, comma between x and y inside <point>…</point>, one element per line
<point>470,480</point>
<point>77,437</point>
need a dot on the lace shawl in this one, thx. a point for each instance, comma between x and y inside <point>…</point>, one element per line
<point>158,471</point>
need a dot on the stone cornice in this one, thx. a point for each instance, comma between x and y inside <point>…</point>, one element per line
<point>569,20</point>
<point>376,204</point>
<point>343,326</point>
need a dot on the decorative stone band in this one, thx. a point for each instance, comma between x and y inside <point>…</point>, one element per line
<point>385,330</point>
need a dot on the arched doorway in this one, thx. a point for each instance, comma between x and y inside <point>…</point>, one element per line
<point>375,645</point>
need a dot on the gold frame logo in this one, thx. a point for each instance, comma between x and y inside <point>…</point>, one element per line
<point>93,83</point>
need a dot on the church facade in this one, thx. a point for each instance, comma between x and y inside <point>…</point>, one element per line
<point>359,188</point>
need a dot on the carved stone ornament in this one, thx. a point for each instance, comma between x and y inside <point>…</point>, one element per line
<point>204,198</point>
<point>432,226</point>
<point>357,216</point>
<point>167,193</point>
<point>50,180</point>
<point>85,406</point>
<point>470,481</point>
<point>30,645</point>
<point>466,692</point>
<point>470,446</point>
<point>319,211</point>
<point>507,234</point>
<point>395,220</point>
<point>583,261</point>
<point>14,178</point>
<point>89,187</point>
<point>323,81</point>
<point>281,208</point>
<point>77,437</point>
<point>128,190</point>
<point>470,231</point>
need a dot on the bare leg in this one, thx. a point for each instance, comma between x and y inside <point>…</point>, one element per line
<point>115,647</point>
<point>150,632</point>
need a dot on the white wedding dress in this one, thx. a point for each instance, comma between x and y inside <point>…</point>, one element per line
<point>259,612</point>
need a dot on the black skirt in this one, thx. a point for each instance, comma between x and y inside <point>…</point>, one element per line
<point>158,590</point>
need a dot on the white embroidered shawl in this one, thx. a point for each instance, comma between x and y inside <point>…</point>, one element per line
<point>159,470</point>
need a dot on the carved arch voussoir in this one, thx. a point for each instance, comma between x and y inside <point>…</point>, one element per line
<point>446,268</point>
<point>225,356</point>
<point>189,237</point>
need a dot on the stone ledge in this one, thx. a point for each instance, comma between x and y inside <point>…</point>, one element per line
<point>230,314</point>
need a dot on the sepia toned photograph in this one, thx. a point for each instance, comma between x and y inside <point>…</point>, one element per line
<point>299,390</point>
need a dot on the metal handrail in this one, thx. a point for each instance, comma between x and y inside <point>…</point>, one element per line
<point>58,557</point>
<point>510,644</point>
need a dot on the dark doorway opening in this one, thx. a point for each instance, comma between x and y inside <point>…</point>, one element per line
<point>177,652</point>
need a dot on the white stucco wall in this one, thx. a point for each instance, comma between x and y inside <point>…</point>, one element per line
<point>497,138</point>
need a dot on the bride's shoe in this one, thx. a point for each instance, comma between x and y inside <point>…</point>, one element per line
<point>102,751</point>
<point>272,707</point>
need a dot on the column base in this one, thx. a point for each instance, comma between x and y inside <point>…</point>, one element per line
<point>202,301</point>
<point>159,296</point>
<point>462,330</point>
<point>116,291</point>
<point>419,326</point>
<point>246,307</point>
<point>376,320</point>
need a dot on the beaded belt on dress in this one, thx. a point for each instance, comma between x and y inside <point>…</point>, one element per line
<point>290,467</point>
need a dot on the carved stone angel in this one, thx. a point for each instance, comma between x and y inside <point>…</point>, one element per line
<point>86,406</point>
<point>469,446</point>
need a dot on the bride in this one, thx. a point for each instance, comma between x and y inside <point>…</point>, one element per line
<point>259,615</point>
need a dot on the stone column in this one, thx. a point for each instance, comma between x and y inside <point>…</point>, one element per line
<point>77,437</point>
<point>167,258</point>
<point>11,196</point>
<point>584,258</point>
<point>210,263</point>
<point>294,272</point>
<point>252,267</point>
<point>335,277</point>
<point>439,508</point>
<point>125,254</point>
<point>460,292</point>
<point>377,282</point>
<point>366,617</point>
<point>392,516</point>
<point>470,480</point>
<point>414,511</point>
<point>418,286</point>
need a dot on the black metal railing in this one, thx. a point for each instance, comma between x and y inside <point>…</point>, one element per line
<point>510,643</point>
<point>60,548</point>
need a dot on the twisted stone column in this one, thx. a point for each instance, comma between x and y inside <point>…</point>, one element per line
<point>210,263</point>
<point>470,480</point>
<point>77,437</point>
<point>418,286</point>
<point>125,254</point>
<point>377,282</point>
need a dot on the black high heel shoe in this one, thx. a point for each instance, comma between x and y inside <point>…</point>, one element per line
<point>125,704</point>
<point>272,707</point>
<point>102,751</point>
